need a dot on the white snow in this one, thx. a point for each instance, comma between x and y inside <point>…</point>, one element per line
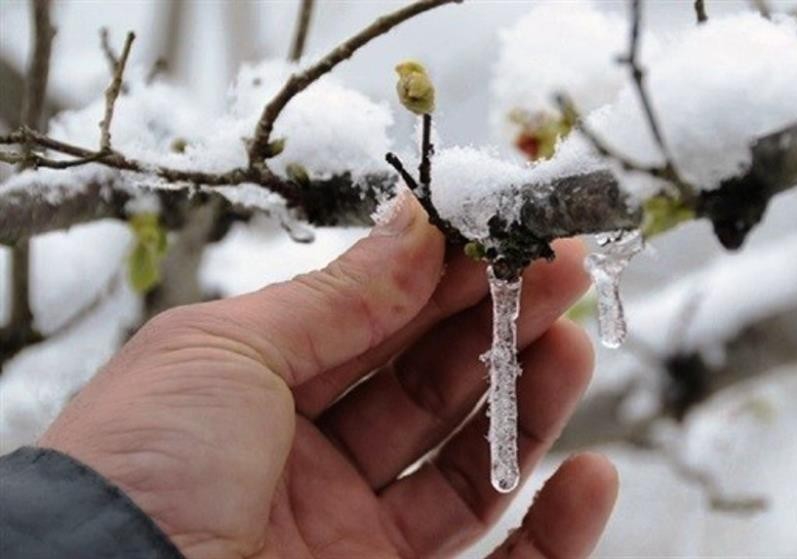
<point>254,255</point>
<point>559,47</point>
<point>470,185</point>
<point>328,128</point>
<point>733,291</point>
<point>714,88</point>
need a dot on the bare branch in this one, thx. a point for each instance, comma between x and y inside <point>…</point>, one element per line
<point>19,332</point>
<point>302,26</point>
<point>685,191</point>
<point>39,69</point>
<point>566,105</point>
<point>574,205</point>
<point>107,50</point>
<point>751,354</point>
<point>13,96</point>
<point>112,93</point>
<point>118,161</point>
<point>300,81</point>
<point>700,11</point>
<point>424,197</point>
<point>427,151</point>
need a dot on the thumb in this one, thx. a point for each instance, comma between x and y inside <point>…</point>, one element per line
<point>325,318</point>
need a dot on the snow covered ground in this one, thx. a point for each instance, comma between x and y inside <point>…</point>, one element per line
<point>659,514</point>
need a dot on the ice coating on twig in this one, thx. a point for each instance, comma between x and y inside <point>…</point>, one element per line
<point>606,268</point>
<point>501,360</point>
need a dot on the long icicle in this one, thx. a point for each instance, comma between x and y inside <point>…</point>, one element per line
<point>502,362</point>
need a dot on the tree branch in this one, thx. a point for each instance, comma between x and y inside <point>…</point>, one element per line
<point>572,205</point>
<point>302,26</point>
<point>685,191</point>
<point>116,160</point>
<point>700,11</point>
<point>690,381</point>
<point>107,50</point>
<point>19,331</point>
<point>115,87</point>
<point>298,82</point>
<point>39,69</point>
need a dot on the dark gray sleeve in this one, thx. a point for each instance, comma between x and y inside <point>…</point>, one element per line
<point>52,506</point>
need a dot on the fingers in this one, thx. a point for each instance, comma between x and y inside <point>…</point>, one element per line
<point>454,489</point>
<point>569,514</point>
<point>320,320</point>
<point>410,408</point>
<point>462,285</point>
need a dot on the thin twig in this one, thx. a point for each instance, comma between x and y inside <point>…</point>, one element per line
<point>39,69</point>
<point>118,161</point>
<point>35,160</point>
<point>566,105</point>
<point>300,81</point>
<point>112,93</point>
<point>408,179</point>
<point>302,26</point>
<point>427,151</point>
<point>685,191</point>
<point>700,11</point>
<point>424,197</point>
<point>107,50</point>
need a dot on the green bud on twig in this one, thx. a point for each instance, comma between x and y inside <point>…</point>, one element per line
<point>297,174</point>
<point>474,250</point>
<point>275,147</point>
<point>415,88</point>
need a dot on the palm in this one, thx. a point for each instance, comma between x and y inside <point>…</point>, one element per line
<point>340,517</point>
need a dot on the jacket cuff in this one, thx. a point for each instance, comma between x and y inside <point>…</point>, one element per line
<point>52,506</point>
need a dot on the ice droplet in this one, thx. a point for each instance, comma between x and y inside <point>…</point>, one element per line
<point>606,268</point>
<point>502,363</point>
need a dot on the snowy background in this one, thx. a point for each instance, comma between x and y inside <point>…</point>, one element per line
<point>486,57</point>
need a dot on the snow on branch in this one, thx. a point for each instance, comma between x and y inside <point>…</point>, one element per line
<point>588,202</point>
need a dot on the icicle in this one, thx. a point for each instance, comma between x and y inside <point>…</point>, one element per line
<point>504,370</point>
<point>606,268</point>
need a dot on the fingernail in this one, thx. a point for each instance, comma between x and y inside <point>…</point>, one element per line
<point>394,216</point>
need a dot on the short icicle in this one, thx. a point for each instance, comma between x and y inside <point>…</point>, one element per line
<point>502,362</point>
<point>606,268</point>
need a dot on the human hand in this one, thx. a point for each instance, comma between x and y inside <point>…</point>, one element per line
<point>230,424</point>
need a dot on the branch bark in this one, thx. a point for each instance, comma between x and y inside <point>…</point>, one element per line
<point>302,27</point>
<point>115,87</point>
